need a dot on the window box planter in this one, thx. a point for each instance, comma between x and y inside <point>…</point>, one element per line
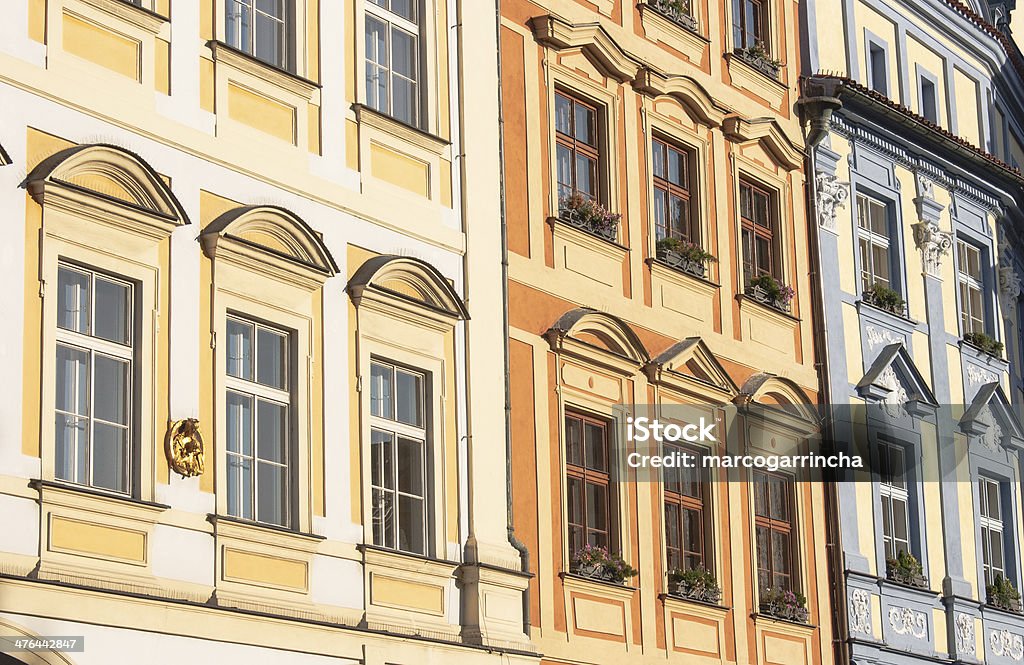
<point>596,563</point>
<point>589,216</point>
<point>758,58</point>
<point>985,343</point>
<point>766,290</point>
<point>696,584</point>
<point>686,257</point>
<point>677,11</point>
<point>784,604</point>
<point>1002,595</point>
<point>886,300</point>
<point>905,569</point>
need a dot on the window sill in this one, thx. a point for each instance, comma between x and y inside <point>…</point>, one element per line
<point>619,590</point>
<point>785,316</point>
<point>745,76</point>
<point>376,553</point>
<point>671,598</point>
<point>398,129</point>
<point>556,222</point>
<point>759,617</point>
<point>662,264</point>
<point>237,522</point>
<point>282,78</point>
<point>663,28</point>
<point>49,488</point>
<point>903,318</point>
<point>140,17</point>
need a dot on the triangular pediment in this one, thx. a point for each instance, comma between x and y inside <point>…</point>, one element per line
<point>991,417</point>
<point>893,379</point>
<point>691,361</point>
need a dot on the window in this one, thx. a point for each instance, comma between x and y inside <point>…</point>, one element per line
<point>758,227</point>
<point>971,283</point>
<point>992,540</point>
<point>588,482</point>
<point>578,154</point>
<point>392,59</point>
<point>258,427</point>
<point>685,491</point>
<point>672,217</point>
<point>259,28</point>
<point>749,18</point>
<point>773,523</point>
<point>398,433</point>
<point>873,242</point>
<point>878,65</point>
<point>94,382</point>
<point>895,499</point>
<point>928,101</point>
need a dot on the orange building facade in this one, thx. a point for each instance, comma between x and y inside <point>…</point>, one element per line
<point>658,256</point>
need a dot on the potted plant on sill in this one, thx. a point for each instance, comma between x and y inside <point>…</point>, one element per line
<point>784,604</point>
<point>883,297</point>
<point>588,215</point>
<point>689,257</point>
<point>597,563</point>
<point>1003,596</point>
<point>906,569</point>
<point>769,291</point>
<point>986,343</point>
<point>676,10</point>
<point>695,584</point>
<point>757,56</point>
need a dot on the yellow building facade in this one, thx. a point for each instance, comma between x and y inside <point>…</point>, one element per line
<point>253,287</point>
<point>658,259</point>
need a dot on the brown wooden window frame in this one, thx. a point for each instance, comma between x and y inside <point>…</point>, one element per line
<point>757,231</point>
<point>741,31</point>
<point>663,228</point>
<point>580,470</point>
<point>576,146</point>
<point>680,500</point>
<point>773,525</point>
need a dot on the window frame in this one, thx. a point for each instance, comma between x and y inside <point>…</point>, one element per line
<point>889,493</point>
<point>986,523</point>
<point>398,429</point>
<point>416,29</point>
<point>787,526</point>
<point>926,77</point>
<point>686,193</point>
<point>701,503</point>
<point>261,392</point>
<point>876,45</point>
<point>969,282</point>
<point>738,23</point>
<point>873,239</point>
<point>93,345</point>
<point>291,47</point>
<point>772,234</point>
<point>587,476</point>
<point>594,152</point>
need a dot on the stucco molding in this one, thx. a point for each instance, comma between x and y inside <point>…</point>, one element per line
<point>594,335</point>
<point>699,104</point>
<point>591,39</point>
<point>933,245</point>
<point>860,612</point>
<point>894,382</point>
<point>963,630</point>
<point>690,361</point>
<point>831,195</point>
<point>786,152</point>
<point>1004,644</point>
<point>407,279</point>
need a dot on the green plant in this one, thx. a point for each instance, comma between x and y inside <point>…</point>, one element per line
<point>759,52</point>
<point>882,296</point>
<point>695,583</point>
<point>774,291</point>
<point>597,563</point>
<point>686,250</point>
<point>986,343</point>
<point>784,604</point>
<point>590,214</point>
<point>677,6</point>
<point>906,569</point>
<point>1003,595</point>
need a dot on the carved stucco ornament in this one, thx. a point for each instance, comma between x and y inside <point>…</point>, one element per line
<point>963,626</point>
<point>831,197</point>
<point>906,621</point>
<point>1005,644</point>
<point>184,448</point>
<point>933,244</point>
<point>1010,285</point>
<point>860,612</point>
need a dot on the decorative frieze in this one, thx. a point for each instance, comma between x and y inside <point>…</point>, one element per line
<point>1005,644</point>
<point>963,630</point>
<point>860,612</point>
<point>830,198</point>
<point>881,337</point>
<point>905,621</point>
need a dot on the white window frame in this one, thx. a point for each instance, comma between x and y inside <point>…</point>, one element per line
<point>864,233</point>
<point>967,281</point>
<point>95,345</point>
<point>889,493</point>
<point>258,391</point>
<point>415,28</point>
<point>989,525</point>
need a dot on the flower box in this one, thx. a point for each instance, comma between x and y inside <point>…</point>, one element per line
<point>1002,595</point>
<point>766,290</point>
<point>695,584</point>
<point>589,216</point>
<point>907,570</point>
<point>985,343</point>
<point>757,57</point>
<point>784,604</point>
<point>677,11</point>
<point>596,563</point>
<point>885,299</point>
<point>686,257</point>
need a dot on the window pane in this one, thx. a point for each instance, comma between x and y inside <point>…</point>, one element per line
<point>693,534</point>
<point>405,105</point>
<point>996,540</point>
<point>763,548</point>
<point>239,353</point>
<point>271,351</point>
<point>411,524</point>
<point>586,175</point>
<point>879,223</point>
<point>575,501</point>
<point>271,483</point>
<point>778,494</point>
<point>72,389</point>
<point>574,440</point>
<point>274,8</point>
<point>238,22</point>
<point>382,471</point>
<point>563,114</point>
<point>380,391</point>
<point>376,63</point>
<point>410,466</point>
<point>673,538</point>
<point>404,8</point>
<point>383,518</point>
<point>72,300</point>
<point>676,167</point>
<point>597,507</point>
<point>992,490</point>
<point>584,124</point>
<point>409,398</point>
<point>564,171</point>
<point>661,212</point>
<point>71,447</point>
<point>113,311</point>
<point>271,431</point>
<point>109,457</point>
<point>269,38</point>
<point>658,158</point>
<point>901,530</point>
<point>239,423</point>
<point>111,390</point>
<point>239,486</point>
<point>595,447</point>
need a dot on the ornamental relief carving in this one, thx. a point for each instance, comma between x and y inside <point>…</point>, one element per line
<point>184,448</point>
<point>831,197</point>
<point>1005,644</point>
<point>860,612</point>
<point>895,401</point>
<point>963,626</point>
<point>879,336</point>
<point>905,621</point>
<point>933,244</point>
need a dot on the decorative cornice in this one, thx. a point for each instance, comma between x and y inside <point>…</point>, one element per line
<point>786,152</point>
<point>701,106</point>
<point>591,39</point>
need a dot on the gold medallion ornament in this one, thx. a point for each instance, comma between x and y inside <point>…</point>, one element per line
<point>185,448</point>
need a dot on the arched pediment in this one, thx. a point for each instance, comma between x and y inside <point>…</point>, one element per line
<point>109,172</point>
<point>767,132</point>
<point>409,279</point>
<point>273,230</point>
<point>777,392</point>
<point>591,39</point>
<point>598,330</point>
<point>691,361</point>
<point>687,91</point>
